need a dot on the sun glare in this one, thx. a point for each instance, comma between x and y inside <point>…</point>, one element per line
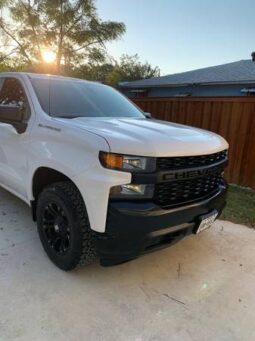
<point>48,56</point>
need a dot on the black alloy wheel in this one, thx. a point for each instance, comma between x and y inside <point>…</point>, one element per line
<point>63,226</point>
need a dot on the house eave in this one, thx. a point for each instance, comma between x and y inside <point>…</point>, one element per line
<point>186,84</point>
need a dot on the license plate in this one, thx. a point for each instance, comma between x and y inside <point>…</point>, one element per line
<point>207,221</point>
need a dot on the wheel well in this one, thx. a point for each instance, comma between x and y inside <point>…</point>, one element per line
<point>42,178</point>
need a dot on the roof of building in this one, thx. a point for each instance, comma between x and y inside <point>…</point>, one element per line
<point>242,71</point>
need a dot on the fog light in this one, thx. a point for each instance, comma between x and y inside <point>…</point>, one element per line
<point>132,191</point>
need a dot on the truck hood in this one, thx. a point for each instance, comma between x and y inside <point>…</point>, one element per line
<point>149,137</point>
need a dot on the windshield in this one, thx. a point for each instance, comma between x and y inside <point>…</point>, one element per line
<point>77,98</point>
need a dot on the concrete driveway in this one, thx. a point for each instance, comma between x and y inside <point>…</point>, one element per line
<point>200,289</point>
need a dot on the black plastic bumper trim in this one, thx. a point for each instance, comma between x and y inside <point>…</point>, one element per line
<point>171,230</point>
<point>134,228</point>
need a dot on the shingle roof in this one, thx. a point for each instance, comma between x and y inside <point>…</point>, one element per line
<point>242,71</point>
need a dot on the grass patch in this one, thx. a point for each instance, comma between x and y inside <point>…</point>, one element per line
<point>240,207</point>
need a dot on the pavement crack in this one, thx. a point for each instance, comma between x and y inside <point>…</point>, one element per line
<point>144,291</point>
<point>179,270</point>
<point>174,299</point>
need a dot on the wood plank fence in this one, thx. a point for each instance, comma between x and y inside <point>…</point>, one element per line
<point>231,117</point>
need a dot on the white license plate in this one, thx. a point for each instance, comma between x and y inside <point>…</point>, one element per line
<point>207,221</point>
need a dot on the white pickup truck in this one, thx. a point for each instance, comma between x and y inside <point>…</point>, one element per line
<point>103,179</point>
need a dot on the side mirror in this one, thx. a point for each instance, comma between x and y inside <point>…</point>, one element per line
<point>14,116</point>
<point>147,115</point>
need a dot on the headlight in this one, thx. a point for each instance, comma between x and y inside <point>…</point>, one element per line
<point>132,191</point>
<point>127,163</point>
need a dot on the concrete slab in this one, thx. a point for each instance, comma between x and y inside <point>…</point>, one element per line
<point>200,289</point>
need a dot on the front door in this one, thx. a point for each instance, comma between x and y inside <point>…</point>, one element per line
<point>13,145</point>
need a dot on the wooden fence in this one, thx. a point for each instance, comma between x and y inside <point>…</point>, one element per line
<point>231,117</point>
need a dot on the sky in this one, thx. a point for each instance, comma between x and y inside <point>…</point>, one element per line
<point>183,35</point>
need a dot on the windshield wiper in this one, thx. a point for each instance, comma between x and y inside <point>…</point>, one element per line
<point>66,116</point>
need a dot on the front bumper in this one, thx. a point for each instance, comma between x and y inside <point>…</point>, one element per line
<point>134,228</point>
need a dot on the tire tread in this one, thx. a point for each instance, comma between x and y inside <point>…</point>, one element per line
<point>88,253</point>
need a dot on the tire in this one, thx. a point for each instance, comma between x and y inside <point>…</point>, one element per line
<point>63,226</point>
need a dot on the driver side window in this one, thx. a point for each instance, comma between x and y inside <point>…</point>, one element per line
<point>12,94</point>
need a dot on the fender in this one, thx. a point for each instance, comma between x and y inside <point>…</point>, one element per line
<point>74,153</point>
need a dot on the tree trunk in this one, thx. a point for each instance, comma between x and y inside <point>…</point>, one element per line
<point>61,36</point>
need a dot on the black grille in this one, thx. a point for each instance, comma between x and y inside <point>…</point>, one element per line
<point>186,191</point>
<point>169,163</point>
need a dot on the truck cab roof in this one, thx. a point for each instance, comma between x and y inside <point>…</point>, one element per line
<point>32,75</point>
